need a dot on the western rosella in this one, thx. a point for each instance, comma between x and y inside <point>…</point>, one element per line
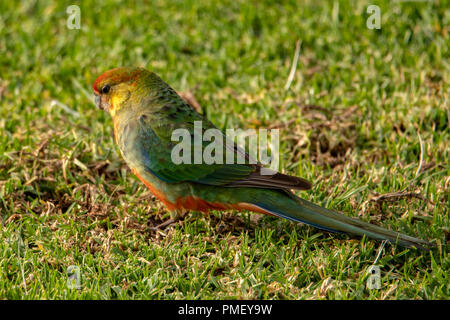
<point>145,111</point>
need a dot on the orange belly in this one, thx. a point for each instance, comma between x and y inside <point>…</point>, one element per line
<point>157,193</point>
<point>197,204</point>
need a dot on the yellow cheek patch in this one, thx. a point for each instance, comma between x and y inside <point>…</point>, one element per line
<point>117,100</point>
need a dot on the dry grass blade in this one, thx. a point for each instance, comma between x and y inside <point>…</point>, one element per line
<point>294,65</point>
<point>395,196</point>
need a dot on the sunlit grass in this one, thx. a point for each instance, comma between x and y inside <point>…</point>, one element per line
<point>350,122</point>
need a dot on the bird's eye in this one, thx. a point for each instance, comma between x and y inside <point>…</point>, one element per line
<point>106,88</point>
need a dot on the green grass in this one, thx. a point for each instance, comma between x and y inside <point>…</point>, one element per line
<point>352,120</point>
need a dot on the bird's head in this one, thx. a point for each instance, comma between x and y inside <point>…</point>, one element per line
<point>116,86</point>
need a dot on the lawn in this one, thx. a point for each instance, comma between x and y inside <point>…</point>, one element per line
<point>365,117</point>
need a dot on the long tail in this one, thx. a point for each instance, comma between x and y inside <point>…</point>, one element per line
<point>291,207</point>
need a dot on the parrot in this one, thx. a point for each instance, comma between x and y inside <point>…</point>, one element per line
<point>145,111</point>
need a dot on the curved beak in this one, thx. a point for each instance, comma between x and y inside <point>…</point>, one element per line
<point>97,101</point>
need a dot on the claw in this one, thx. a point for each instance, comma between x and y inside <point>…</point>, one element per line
<point>164,225</point>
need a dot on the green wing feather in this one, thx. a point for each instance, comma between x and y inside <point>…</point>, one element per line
<point>146,140</point>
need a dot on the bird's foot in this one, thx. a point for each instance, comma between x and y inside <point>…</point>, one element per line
<point>165,224</point>
<point>175,217</point>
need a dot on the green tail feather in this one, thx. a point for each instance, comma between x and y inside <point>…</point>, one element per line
<point>296,209</point>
